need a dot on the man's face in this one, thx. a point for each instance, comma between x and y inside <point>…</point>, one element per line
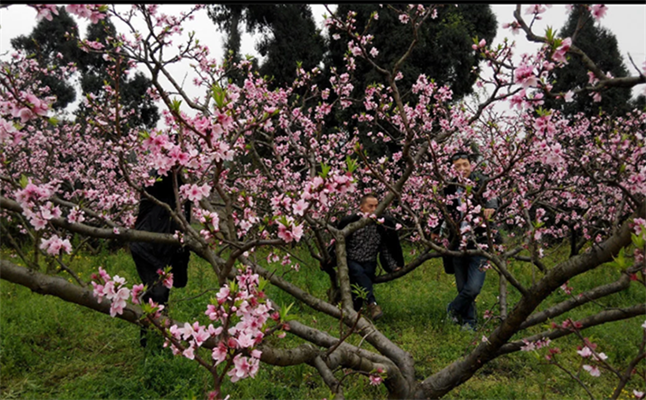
<point>463,166</point>
<point>369,205</point>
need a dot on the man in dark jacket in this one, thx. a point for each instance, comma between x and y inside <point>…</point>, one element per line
<point>151,257</point>
<point>469,270</point>
<point>362,248</point>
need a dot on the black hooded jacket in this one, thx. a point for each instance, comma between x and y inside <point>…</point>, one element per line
<point>155,218</point>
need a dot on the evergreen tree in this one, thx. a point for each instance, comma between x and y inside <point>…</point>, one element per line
<point>289,36</point>
<point>54,44</point>
<point>443,52</point>
<point>601,46</point>
<point>45,43</point>
<point>132,90</point>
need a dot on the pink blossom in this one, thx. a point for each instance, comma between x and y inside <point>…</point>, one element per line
<point>137,291</point>
<point>219,353</point>
<point>189,353</point>
<point>375,380</point>
<point>638,394</point>
<point>245,340</point>
<point>167,278</point>
<point>585,352</point>
<point>223,294</point>
<point>599,11</point>
<point>529,346</point>
<point>194,192</point>
<point>119,301</point>
<point>45,11</point>
<point>300,207</point>
<point>639,227</point>
<point>569,96</point>
<point>404,18</point>
<point>54,245</point>
<point>593,370</point>
<point>525,75</point>
<point>243,368</point>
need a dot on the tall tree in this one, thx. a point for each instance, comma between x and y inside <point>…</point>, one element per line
<point>290,37</point>
<point>443,52</point>
<point>132,89</point>
<point>600,44</point>
<point>53,43</point>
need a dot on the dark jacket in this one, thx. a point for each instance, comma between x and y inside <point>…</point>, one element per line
<point>155,218</point>
<point>479,232</point>
<point>389,237</point>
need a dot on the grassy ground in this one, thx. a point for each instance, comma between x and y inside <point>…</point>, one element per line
<point>50,349</point>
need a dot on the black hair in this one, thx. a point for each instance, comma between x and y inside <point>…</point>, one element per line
<point>366,197</point>
<point>460,154</point>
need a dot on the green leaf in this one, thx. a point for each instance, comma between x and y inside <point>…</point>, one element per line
<point>325,170</point>
<point>620,261</point>
<point>284,311</point>
<point>351,164</point>
<point>175,105</point>
<point>359,291</point>
<point>24,181</point>
<point>218,95</point>
<point>638,241</point>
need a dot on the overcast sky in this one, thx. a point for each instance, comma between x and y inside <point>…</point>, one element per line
<point>627,22</point>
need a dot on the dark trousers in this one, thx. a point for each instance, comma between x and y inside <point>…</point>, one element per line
<point>362,274</point>
<point>149,277</point>
<point>469,278</point>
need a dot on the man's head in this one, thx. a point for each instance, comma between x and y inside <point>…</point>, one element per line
<point>462,163</point>
<point>368,204</point>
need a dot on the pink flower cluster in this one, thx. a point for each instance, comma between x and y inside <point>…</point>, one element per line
<point>166,277</point>
<point>93,12</point>
<point>536,345</point>
<point>242,301</point>
<point>194,192</point>
<point>289,231</point>
<point>31,198</point>
<point>114,289</point>
<point>55,244</point>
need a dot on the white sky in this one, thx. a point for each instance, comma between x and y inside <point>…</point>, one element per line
<point>627,22</point>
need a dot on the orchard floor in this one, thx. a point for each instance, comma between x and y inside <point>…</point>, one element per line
<point>50,349</point>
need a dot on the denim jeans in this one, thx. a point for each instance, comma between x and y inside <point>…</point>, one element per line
<point>362,274</point>
<point>469,278</point>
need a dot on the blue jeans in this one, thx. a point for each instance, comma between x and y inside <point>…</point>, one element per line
<point>362,274</point>
<point>469,278</point>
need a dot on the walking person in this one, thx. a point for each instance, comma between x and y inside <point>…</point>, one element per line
<point>150,257</point>
<point>469,271</point>
<point>364,246</point>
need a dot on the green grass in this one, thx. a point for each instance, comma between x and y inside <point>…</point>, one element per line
<point>50,349</point>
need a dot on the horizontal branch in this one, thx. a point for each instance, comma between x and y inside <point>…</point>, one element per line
<point>588,322</point>
<point>128,235</point>
<point>602,291</point>
<point>61,288</point>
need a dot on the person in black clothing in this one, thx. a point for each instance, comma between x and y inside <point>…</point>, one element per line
<point>362,248</point>
<point>469,270</point>
<point>151,257</point>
